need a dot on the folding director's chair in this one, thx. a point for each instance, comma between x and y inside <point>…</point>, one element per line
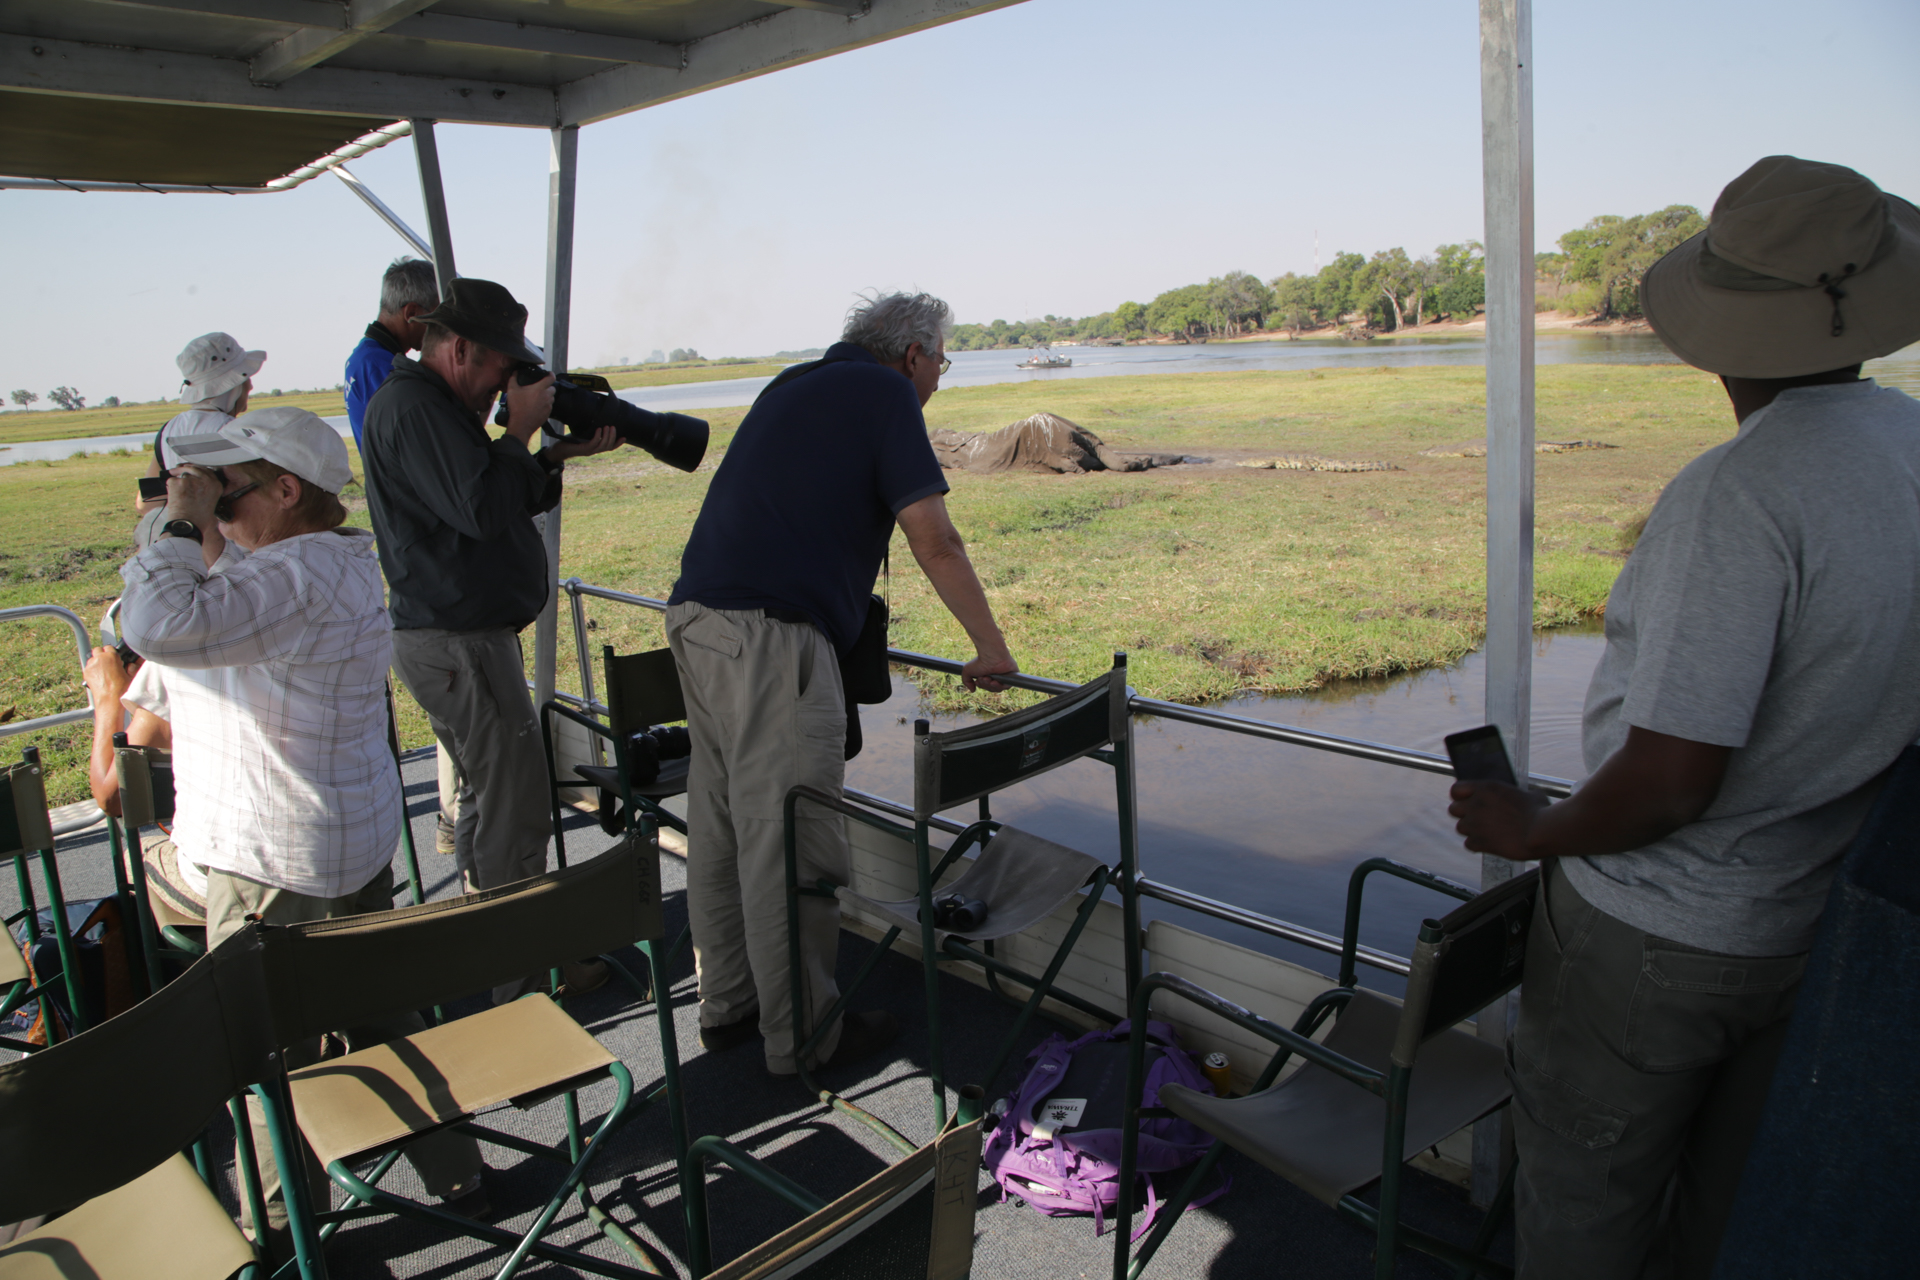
<point>911,1221</point>
<point>93,1129</point>
<point>1021,877</point>
<point>369,1104</point>
<point>642,690</point>
<point>1357,1111</point>
<point>26,831</point>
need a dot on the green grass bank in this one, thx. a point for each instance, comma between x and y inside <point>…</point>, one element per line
<point>1217,579</point>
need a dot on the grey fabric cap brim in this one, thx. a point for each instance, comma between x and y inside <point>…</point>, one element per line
<point>1786,333</point>
<point>211,451</point>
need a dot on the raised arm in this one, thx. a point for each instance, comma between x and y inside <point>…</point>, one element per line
<point>107,679</point>
<point>177,612</point>
<point>942,555</point>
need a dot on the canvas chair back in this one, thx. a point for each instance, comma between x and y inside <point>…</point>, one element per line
<point>86,1115</point>
<point>965,764</point>
<point>146,785</point>
<point>1465,961</point>
<point>915,1217</point>
<point>355,969</point>
<point>643,689</point>
<point>24,824</point>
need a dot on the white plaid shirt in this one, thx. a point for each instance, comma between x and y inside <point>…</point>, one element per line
<point>277,675</point>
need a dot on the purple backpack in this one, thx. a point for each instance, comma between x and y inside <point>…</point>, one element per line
<point>1057,1144</point>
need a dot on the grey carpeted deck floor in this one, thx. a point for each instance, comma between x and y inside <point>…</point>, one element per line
<point>1262,1228</point>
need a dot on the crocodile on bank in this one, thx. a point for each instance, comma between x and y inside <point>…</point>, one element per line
<point>1312,462</point>
<point>1478,448</point>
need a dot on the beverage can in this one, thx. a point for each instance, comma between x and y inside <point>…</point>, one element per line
<point>1218,1072</point>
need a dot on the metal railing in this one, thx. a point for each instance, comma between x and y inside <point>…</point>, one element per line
<point>1359,748</point>
<point>82,637</point>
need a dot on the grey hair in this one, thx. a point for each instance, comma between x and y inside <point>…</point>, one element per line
<point>408,280</point>
<point>888,323</point>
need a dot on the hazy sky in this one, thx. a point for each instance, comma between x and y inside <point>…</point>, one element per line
<point>1058,156</point>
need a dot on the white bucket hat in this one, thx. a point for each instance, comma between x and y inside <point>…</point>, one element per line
<point>213,363</point>
<point>1803,267</point>
<point>297,439</point>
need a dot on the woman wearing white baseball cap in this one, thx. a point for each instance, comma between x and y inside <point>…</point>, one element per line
<point>271,620</point>
<point>216,376</point>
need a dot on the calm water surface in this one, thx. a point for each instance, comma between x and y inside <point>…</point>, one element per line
<point>1277,828</point>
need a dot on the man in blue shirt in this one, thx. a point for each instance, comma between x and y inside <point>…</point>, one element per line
<point>774,589</point>
<point>407,290</point>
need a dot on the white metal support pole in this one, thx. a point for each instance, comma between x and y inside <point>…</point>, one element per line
<point>1506,126</point>
<point>562,166</point>
<point>427,152</point>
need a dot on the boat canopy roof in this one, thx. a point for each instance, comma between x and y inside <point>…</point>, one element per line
<point>239,92</point>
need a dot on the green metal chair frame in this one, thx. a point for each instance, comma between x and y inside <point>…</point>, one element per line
<point>143,805</point>
<point>168,1065</point>
<point>1093,721</point>
<point>26,830</point>
<point>441,950</point>
<point>642,690</point>
<point>1461,964</point>
<point>947,1167</point>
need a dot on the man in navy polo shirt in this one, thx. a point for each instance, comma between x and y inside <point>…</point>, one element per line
<point>774,586</point>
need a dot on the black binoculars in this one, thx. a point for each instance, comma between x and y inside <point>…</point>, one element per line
<point>957,914</point>
<point>584,402</point>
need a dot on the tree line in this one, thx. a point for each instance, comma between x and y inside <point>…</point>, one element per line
<point>1597,270</point>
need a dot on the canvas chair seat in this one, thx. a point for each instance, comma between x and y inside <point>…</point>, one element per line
<point>671,782</point>
<point>164,1225</point>
<point>1326,1135</point>
<point>369,1101</point>
<point>13,963</point>
<point>1021,877</point>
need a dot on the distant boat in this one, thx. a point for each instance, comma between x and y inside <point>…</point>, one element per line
<point>1043,358</point>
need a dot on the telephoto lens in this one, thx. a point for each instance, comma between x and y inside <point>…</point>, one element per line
<point>585,402</point>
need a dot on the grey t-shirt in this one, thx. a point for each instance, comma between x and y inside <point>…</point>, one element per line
<point>1770,606</point>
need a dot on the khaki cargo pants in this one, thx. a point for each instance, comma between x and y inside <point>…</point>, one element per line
<point>1640,1067</point>
<point>765,713</point>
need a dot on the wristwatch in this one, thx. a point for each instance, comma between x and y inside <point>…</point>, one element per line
<point>180,529</point>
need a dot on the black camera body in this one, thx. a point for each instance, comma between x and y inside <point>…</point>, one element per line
<point>584,402</point>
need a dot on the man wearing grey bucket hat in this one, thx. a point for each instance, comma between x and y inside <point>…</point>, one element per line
<point>1758,680</point>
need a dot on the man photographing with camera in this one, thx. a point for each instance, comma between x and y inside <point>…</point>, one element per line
<point>466,569</point>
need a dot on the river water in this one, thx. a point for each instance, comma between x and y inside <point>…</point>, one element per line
<point>1272,827</point>
<point>987,368</point>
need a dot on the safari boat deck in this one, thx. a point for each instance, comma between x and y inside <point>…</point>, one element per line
<point>1262,1228</point>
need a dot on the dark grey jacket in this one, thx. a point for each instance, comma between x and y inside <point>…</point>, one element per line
<point>453,509</point>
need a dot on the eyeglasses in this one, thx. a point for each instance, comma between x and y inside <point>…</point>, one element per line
<point>944,364</point>
<point>223,508</point>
